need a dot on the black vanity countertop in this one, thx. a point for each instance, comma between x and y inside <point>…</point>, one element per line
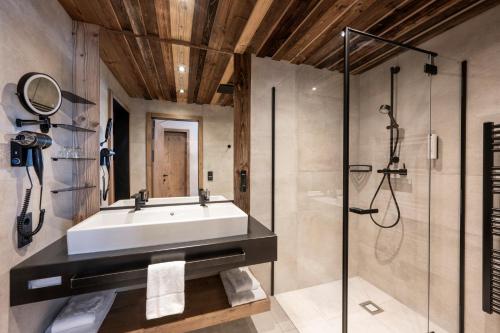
<point>258,246</point>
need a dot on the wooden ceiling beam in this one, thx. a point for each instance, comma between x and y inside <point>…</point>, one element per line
<point>181,18</point>
<point>268,25</point>
<point>258,13</point>
<point>310,53</point>
<point>325,14</point>
<point>230,20</point>
<point>426,19</point>
<point>296,12</point>
<point>134,13</point>
<point>201,18</point>
<point>398,19</point>
<point>373,18</point>
<point>162,9</point>
<point>111,52</point>
<point>448,23</point>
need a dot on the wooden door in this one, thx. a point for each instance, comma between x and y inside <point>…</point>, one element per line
<point>172,176</point>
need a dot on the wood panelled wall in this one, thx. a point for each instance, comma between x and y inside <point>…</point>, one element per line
<point>86,84</point>
<point>242,84</point>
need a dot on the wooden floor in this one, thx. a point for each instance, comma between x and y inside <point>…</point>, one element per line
<point>206,305</point>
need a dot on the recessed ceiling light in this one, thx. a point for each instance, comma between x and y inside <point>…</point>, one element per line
<point>181,90</point>
<point>182,68</point>
<point>314,88</point>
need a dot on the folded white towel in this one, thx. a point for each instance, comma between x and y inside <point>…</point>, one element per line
<point>165,289</point>
<point>241,279</point>
<point>165,305</point>
<point>244,297</point>
<point>83,313</point>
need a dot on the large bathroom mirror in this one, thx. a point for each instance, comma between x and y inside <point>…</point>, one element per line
<point>172,149</point>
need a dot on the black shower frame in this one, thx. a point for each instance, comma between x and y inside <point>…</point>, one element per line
<point>345,170</point>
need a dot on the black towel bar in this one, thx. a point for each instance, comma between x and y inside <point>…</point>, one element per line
<point>139,275</point>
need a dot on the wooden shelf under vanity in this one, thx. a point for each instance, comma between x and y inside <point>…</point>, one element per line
<point>206,305</point>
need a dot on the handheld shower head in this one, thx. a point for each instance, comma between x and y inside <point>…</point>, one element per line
<point>384,109</point>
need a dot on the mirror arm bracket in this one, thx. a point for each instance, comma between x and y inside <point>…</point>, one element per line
<point>43,121</point>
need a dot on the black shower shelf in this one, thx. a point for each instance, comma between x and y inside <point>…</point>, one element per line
<point>73,128</point>
<point>71,189</point>
<point>73,158</point>
<point>362,211</point>
<point>360,168</point>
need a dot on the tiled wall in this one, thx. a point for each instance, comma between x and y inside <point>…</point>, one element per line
<point>36,36</point>
<point>308,169</point>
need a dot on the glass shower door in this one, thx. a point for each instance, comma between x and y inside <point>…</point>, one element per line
<point>389,188</point>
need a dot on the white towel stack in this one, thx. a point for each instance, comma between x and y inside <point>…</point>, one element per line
<point>165,289</point>
<point>83,313</point>
<point>241,286</point>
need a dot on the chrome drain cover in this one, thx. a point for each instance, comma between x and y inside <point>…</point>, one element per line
<point>371,307</point>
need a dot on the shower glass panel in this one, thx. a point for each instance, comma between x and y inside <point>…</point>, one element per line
<point>389,188</point>
<point>308,192</point>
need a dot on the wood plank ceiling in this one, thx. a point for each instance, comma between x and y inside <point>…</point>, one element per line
<point>181,50</point>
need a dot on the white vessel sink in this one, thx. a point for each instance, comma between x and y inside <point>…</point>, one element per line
<point>123,229</point>
<point>169,200</point>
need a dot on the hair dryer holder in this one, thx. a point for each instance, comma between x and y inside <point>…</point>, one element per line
<point>25,156</point>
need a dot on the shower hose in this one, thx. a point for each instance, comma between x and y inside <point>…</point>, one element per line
<point>392,154</point>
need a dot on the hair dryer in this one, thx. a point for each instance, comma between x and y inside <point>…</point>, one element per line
<point>34,142</point>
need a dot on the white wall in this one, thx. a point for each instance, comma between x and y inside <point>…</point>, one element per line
<point>36,36</point>
<point>192,127</point>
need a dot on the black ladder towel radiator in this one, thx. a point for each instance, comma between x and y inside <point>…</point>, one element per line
<point>491,218</point>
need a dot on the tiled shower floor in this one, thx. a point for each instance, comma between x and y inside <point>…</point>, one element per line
<point>318,309</point>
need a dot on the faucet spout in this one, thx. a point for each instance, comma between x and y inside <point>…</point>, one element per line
<point>203,196</point>
<point>140,199</point>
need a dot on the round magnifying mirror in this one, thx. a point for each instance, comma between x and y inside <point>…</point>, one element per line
<point>39,94</point>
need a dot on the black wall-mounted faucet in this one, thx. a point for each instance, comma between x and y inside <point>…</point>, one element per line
<point>203,196</point>
<point>140,199</point>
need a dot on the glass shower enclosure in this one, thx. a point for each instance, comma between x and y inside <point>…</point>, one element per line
<point>357,169</point>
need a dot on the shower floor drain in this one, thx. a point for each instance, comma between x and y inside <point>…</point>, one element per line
<point>371,307</point>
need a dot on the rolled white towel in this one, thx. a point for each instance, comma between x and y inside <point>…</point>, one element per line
<point>243,297</point>
<point>241,279</point>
